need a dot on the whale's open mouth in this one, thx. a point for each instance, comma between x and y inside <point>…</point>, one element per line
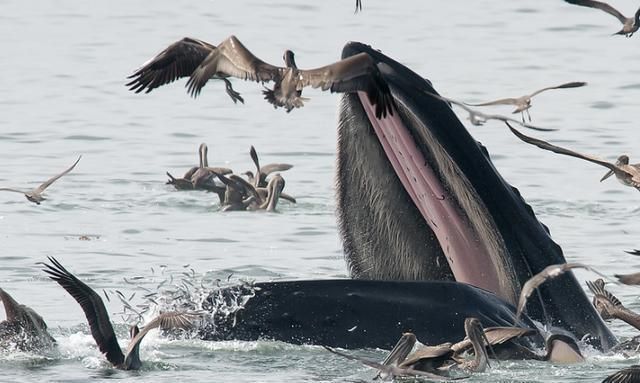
<point>419,199</point>
<point>467,241</point>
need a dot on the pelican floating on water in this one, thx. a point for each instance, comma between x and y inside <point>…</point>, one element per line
<point>35,195</point>
<point>23,328</point>
<point>202,61</point>
<point>523,103</point>
<point>101,327</point>
<point>627,174</point>
<point>629,24</point>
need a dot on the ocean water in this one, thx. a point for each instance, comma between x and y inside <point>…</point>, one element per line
<point>64,65</point>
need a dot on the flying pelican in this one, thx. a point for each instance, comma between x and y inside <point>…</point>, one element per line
<point>101,327</point>
<point>627,174</point>
<point>523,103</point>
<point>479,118</point>
<point>35,195</point>
<point>629,24</point>
<point>202,61</point>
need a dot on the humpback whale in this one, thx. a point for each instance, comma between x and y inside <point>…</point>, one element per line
<point>418,199</point>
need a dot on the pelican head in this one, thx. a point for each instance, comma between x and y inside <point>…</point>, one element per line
<point>289,60</point>
<point>203,151</point>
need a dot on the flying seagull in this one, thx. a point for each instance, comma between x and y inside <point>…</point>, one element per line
<point>627,174</point>
<point>201,61</point>
<point>99,322</point>
<point>523,103</point>
<point>479,118</point>
<point>629,24</point>
<point>35,195</point>
<point>547,273</point>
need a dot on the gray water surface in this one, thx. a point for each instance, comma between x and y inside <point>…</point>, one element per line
<point>63,68</point>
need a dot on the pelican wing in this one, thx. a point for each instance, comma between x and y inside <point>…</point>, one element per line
<point>401,350</point>
<point>53,179</point>
<point>601,6</point>
<point>574,84</point>
<point>557,149</point>
<point>502,101</point>
<point>231,59</point>
<point>270,168</point>
<point>178,60</point>
<point>495,335</point>
<point>246,186</point>
<point>597,288</point>
<point>166,321</point>
<point>93,308</point>
<point>355,73</point>
<point>626,375</point>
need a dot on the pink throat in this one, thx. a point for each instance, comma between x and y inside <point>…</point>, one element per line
<point>466,256</point>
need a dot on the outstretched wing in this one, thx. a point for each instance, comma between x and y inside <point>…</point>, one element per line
<point>231,59</point>
<point>13,190</point>
<point>93,308</point>
<point>557,149</point>
<point>626,375</point>
<point>573,84</point>
<point>502,101</point>
<point>53,179</point>
<point>601,6</point>
<point>597,288</point>
<point>355,73</point>
<point>166,321</point>
<point>178,60</point>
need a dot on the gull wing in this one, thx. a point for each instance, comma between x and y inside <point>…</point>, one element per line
<point>53,179</point>
<point>557,149</point>
<point>178,60</point>
<point>355,73</point>
<point>13,190</point>
<point>573,84</point>
<point>601,6</point>
<point>231,59</point>
<point>502,101</point>
<point>166,321</point>
<point>93,308</point>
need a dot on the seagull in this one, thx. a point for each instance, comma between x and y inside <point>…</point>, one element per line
<point>479,118</point>
<point>202,61</point>
<point>627,174</point>
<point>547,273</point>
<point>523,103</point>
<point>101,327</point>
<point>35,195</point>
<point>629,24</point>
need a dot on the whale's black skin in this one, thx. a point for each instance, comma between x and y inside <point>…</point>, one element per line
<point>521,245</point>
<point>360,313</point>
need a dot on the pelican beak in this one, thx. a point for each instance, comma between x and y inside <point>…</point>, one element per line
<point>609,174</point>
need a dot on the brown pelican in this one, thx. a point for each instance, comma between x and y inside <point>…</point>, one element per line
<point>203,61</point>
<point>179,60</point>
<point>274,192</point>
<point>628,175</point>
<point>629,24</point>
<point>101,327</point>
<point>549,272</point>
<point>35,195</point>
<point>239,193</point>
<point>259,180</point>
<point>434,360</point>
<point>23,328</point>
<point>479,118</point>
<point>626,375</point>
<point>629,279</point>
<point>523,103</point>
